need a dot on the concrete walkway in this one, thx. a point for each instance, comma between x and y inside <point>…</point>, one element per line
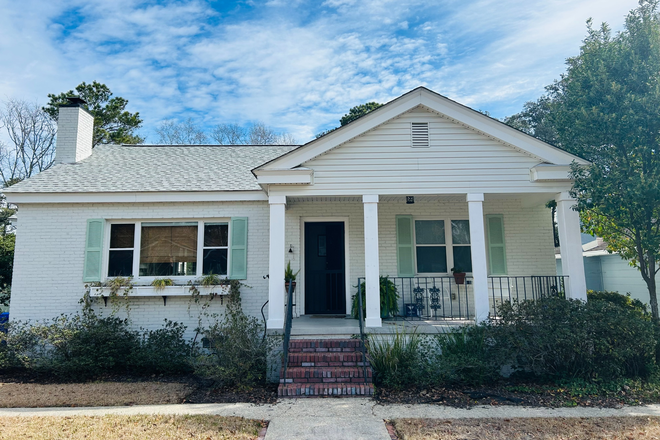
<point>354,418</point>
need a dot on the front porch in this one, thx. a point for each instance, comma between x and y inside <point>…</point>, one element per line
<point>504,242</point>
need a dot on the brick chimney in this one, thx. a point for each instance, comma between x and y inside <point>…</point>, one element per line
<point>75,128</point>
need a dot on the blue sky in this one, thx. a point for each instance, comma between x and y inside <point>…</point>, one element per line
<point>296,65</point>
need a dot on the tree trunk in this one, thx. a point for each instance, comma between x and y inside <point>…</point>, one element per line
<point>650,283</point>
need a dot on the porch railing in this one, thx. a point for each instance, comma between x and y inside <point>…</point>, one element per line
<point>524,288</point>
<point>446,298</point>
<point>434,297</point>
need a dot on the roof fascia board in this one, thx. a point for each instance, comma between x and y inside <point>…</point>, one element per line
<point>498,130</point>
<point>137,197</point>
<point>346,133</point>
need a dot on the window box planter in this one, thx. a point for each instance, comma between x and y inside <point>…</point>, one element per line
<point>164,292</point>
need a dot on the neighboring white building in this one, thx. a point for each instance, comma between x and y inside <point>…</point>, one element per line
<point>410,190</point>
<point>608,271</point>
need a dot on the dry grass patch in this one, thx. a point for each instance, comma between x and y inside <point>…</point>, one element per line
<point>19,395</point>
<point>600,428</point>
<point>142,427</point>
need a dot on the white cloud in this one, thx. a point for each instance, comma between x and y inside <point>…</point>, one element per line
<point>295,66</point>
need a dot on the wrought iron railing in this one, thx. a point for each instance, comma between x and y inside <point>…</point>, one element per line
<point>524,288</point>
<point>435,297</point>
<point>288,322</point>
<point>452,298</point>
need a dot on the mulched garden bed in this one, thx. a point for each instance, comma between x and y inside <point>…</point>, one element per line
<point>204,393</point>
<point>520,394</point>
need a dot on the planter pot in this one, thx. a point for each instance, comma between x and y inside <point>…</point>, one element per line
<point>459,278</point>
<point>286,287</point>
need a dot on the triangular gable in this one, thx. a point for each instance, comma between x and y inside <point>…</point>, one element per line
<point>447,108</point>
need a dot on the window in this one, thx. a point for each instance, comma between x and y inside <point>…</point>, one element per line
<point>433,252</point>
<point>460,240</point>
<point>168,249</point>
<point>216,242</point>
<point>164,249</point>
<point>431,249</point>
<point>120,256</point>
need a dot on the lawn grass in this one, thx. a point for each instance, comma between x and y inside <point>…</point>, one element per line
<point>596,428</point>
<point>29,395</point>
<point>144,427</point>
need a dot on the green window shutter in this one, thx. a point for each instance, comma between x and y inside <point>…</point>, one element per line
<point>496,245</point>
<point>238,251</point>
<point>405,246</point>
<point>93,250</point>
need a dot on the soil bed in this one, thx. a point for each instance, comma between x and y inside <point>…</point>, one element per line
<point>35,391</point>
<point>552,396</point>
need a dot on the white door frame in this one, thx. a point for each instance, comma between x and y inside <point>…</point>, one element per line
<point>347,272</point>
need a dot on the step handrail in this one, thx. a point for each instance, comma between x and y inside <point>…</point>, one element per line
<point>362,335</point>
<point>287,330</point>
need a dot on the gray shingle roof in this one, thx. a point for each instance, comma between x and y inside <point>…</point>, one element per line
<point>134,168</point>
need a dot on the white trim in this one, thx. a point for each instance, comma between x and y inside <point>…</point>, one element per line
<point>133,197</point>
<point>177,290</point>
<point>347,255</point>
<point>296,176</point>
<point>548,173</point>
<point>277,200</point>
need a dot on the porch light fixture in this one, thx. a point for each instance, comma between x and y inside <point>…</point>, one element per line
<point>410,200</point>
<point>290,248</point>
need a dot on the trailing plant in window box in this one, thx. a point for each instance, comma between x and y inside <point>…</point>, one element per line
<point>161,283</point>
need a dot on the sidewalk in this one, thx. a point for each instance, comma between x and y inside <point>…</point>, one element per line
<point>353,418</point>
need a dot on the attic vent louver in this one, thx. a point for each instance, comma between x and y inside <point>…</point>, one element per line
<point>420,134</point>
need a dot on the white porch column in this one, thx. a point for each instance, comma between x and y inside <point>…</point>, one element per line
<point>371,261</point>
<point>570,242</point>
<point>479,262</point>
<point>276,264</point>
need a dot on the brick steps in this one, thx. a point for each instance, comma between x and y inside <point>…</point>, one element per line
<point>324,389</point>
<point>351,359</point>
<point>326,374</point>
<point>326,367</point>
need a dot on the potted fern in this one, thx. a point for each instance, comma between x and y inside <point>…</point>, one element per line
<point>459,275</point>
<point>389,299</point>
<point>290,278</point>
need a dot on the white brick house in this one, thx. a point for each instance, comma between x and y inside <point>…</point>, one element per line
<point>412,189</point>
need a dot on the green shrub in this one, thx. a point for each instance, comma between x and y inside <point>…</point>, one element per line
<point>560,338</point>
<point>618,299</point>
<point>237,352</point>
<point>396,358</point>
<point>84,346</point>
<point>467,356</point>
<point>389,299</point>
<point>163,351</point>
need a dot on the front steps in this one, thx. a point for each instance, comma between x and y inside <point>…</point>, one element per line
<point>325,367</point>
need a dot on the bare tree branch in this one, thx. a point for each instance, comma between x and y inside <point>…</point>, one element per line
<point>31,147</point>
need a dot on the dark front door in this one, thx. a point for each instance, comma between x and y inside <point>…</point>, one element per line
<point>325,281</point>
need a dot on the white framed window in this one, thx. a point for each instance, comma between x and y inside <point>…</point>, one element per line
<point>152,249</point>
<point>442,244</point>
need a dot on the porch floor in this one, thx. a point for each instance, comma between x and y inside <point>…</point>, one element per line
<point>330,325</point>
